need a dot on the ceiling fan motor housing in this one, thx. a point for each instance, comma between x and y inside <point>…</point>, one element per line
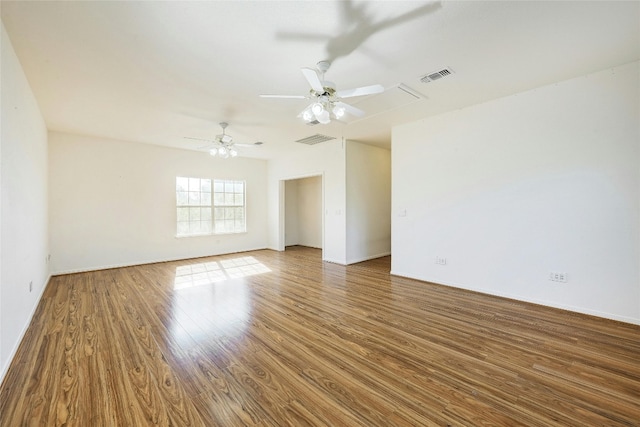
<point>328,87</point>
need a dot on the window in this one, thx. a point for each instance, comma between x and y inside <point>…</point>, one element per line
<point>194,204</point>
<point>229,206</point>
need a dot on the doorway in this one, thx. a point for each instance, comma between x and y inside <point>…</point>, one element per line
<point>303,219</point>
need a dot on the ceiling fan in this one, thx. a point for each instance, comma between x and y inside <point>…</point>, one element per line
<point>223,144</point>
<point>326,101</point>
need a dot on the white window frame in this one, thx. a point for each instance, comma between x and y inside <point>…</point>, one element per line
<point>193,206</point>
<point>229,206</point>
<point>207,206</point>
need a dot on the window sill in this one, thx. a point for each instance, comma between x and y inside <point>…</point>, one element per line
<point>182,236</point>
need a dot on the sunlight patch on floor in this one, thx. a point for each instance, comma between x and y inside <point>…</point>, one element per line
<point>188,276</point>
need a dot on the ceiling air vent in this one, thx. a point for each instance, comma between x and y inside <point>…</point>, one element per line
<point>315,139</point>
<point>436,76</point>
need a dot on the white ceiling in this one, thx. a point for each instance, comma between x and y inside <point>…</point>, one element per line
<point>155,72</point>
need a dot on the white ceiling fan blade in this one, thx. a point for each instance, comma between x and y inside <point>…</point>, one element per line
<point>246,145</point>
<point>360,91</point>
<point>201,139</point>
<point>284,96</point>
<point>350,109</point>
<point>312,77</point>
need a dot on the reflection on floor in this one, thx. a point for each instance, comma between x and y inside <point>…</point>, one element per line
<point>204,273</point>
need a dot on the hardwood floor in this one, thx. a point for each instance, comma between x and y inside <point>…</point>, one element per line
<point>282,339</point>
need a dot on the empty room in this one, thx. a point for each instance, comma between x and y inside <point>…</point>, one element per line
<point>320,213</point>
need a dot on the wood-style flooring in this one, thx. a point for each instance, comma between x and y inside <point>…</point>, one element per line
<point>269,338</point>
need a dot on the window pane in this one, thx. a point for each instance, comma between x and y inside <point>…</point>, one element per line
<point>205,214</point>
<point>194,227</point>
<point>183,214</point>
<point>182,183</point>
<point>193,201</point>
<point>182,198</point>
<point>228,201</point>
<point>194,198</point>
<point>239,213</point>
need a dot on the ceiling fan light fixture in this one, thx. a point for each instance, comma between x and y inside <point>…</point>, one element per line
<point>323,117</point>
<point>326,99</point>
<point>223,145</point>
<point>307,115</point>
<point>317,108</point>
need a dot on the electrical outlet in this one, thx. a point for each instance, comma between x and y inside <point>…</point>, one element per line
<point>556,276</point>
<point>441,261</point>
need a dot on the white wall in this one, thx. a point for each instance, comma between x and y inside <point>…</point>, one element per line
<point>328,160</point>
<point>112,203</point>
<point>291,213</point>
<point>310,212</point>
<point>303,212</point>
<point>513,189</point>
<point>368,182</point>
<point>23,192</point>
<point>356,190</point>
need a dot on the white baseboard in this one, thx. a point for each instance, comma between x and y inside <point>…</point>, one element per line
<point>367,258</point>
<point>332,261</point>
<point>566,307</point>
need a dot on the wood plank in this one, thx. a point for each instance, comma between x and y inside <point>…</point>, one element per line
<point>269,338</point>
